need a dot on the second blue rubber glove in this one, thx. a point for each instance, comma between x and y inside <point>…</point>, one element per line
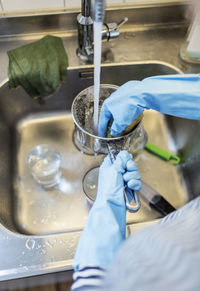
<point>106,226</point>
<point>177,95</point>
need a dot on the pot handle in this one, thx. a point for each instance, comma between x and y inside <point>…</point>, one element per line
<point>130,206</point>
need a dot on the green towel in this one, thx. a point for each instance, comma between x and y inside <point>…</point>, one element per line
<point>39,67</point>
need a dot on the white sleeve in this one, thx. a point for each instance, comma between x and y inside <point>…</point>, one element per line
<point>88,278</point>
<point>165,256</point>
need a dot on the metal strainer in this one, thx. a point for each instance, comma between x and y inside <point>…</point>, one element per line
<point>82,113</point>
<point>88,141</point>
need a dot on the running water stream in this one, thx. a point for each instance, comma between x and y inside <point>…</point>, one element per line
<point>97,26</point>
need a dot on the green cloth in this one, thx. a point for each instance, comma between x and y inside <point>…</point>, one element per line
<point>39,67</point>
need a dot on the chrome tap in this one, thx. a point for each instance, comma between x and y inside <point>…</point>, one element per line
<point>85,27</point>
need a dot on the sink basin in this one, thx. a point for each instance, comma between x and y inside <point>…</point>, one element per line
<point>28,209</point>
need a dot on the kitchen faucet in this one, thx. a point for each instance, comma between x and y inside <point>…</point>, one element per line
<point>85,27</point>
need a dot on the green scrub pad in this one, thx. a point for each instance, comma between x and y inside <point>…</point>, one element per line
<point>39,67</point>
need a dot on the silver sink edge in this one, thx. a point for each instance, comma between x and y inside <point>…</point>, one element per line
<point>32,255</point>
<point>3,82</point>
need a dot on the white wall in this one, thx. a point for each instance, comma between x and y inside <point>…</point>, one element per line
<point>12,6</point>
<point>0,7</point>
<point>76,3</point>
<point>30,4</point>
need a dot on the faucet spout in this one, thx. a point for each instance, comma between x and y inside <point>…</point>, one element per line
<point>85,27</point>
<point>86,8</point>
<point>85,32</point>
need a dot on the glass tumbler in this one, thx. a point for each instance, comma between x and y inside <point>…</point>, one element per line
<point>44,162</point>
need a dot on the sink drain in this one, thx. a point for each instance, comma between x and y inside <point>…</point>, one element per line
<point>90,184</point>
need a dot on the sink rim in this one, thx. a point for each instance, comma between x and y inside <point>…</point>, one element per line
<point>89,66</point>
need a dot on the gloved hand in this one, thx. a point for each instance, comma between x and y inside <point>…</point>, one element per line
<point>106,226</point>
<point>177,95</point>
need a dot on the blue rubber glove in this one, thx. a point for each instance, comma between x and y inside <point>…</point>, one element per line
<point>106,226</point>
<point>177,95</point>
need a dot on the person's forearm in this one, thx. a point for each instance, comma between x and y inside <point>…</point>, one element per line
<point>99,252</point>
<point>105,230</point>
<point>177,96</point>
<point>93,254</point>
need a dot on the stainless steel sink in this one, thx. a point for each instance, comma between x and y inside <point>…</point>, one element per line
<point>27,208</point>
<point>40,229</point>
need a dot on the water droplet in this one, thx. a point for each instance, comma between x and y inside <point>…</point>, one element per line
<point>49,244</point>
<point>52,259</point>
<point>155,184</point>
<point>112,44</point>
<point>43,252</point>
<point>30,244</point>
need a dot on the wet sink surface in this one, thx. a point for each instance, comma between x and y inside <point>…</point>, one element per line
<point>65,208</point>
<point>27,208</point>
